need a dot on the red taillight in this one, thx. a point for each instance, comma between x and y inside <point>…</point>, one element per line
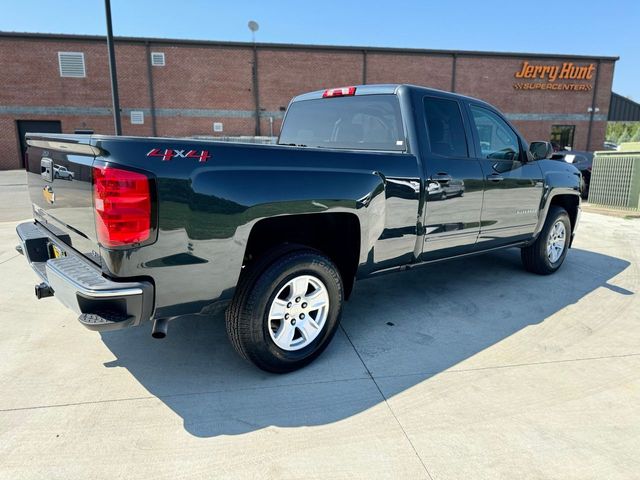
<point>339,92</point>
<point>122,202</point>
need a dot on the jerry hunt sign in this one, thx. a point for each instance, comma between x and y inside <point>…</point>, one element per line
<point>546,77</point>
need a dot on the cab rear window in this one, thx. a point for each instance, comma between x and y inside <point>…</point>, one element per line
<point>366,122</point>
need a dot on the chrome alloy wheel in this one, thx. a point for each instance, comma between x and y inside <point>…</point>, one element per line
<point>556,241</point>
<point>298,312</point>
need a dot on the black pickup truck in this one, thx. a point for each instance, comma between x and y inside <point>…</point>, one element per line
<point>364,180</point>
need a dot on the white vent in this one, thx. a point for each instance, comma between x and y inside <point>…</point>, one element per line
<point>217,127</point>
<point>157,59</point>
<point>137,118</point>
<point>71,64</point>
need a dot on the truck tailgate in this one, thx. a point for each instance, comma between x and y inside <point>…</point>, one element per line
<point>59,176</point>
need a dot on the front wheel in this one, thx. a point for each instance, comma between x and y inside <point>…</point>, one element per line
<point>546,254</point>
<point>285,314</point>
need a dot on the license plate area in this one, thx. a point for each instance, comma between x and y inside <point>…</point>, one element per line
<point>55,251</point>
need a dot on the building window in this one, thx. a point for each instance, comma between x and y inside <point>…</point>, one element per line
<point>562,136</point>
<point>137,117</point>
<point>157,59</point>
<point>71,64</point>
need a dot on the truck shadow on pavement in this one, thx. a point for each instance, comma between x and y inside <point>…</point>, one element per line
<point>397,331</point>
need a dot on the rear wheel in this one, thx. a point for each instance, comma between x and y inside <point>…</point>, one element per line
<point>284,314</point>
<point>547,253</point>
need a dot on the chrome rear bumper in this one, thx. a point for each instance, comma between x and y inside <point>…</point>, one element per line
<point>101,303</point>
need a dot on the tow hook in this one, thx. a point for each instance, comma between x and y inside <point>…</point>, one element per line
<point>43,291</point>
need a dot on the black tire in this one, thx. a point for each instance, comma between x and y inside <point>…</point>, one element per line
<point>534,257</point>
<point>584,186</point>
<point>247,315</point>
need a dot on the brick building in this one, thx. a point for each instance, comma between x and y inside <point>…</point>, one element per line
<point>186,88</point>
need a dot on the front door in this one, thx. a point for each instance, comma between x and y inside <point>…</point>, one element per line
<point>34,126</point>
<point>454,182</point>
<point>513,185</point>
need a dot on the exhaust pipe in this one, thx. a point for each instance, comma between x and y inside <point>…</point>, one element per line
<point>160,326</point>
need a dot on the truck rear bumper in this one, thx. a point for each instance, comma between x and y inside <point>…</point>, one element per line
<point>102,304</point>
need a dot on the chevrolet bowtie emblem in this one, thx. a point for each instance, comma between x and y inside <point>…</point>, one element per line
<point>49,196</point>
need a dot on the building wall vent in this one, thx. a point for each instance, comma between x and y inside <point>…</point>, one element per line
<point>137,117</point>
<point>157,59</point>
<point>72,64</point>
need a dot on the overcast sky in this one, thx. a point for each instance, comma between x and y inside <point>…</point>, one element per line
<point>585,27</point>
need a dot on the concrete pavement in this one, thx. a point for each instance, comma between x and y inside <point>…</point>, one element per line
<point>466,369</point>
<point>14,201</point>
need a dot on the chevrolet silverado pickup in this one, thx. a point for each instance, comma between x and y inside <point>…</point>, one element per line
<point>364,180</point>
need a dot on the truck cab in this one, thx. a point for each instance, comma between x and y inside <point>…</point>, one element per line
<point>481,187</point>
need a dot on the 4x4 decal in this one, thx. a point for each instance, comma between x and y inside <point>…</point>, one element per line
<point>168,154</point>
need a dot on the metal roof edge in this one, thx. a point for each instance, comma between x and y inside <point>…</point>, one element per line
<point>297,46</point>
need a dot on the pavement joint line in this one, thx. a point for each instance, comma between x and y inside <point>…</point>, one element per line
<point>177,395</point>
<point>10,258</point>
<point>513,365</point>
<point>386,402</point>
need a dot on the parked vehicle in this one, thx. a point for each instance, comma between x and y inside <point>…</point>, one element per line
<point>152,229</point>
<point>62,173</point>
<point>583,161</point>
<point>453,188</point>
<point>610,146</point>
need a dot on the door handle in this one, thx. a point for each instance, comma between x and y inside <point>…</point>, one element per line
<point>441,177</point>
<point>495,177</point>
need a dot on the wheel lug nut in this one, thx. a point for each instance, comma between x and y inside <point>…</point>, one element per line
<point>286,316</point>
<point>297,299</point>
<point>301,316</point>
<point>293,321</point>
<point>289,305</point>
<point>304,305</point>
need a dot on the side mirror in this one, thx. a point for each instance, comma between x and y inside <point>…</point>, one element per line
<point>540,150</point>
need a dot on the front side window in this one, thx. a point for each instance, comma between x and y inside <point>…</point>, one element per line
<point>365,122</point>
<point>497,140</point>
<point>445,127</point>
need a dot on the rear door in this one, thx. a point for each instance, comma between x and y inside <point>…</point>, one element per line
<point>454,180</point>
<point>513,185</point>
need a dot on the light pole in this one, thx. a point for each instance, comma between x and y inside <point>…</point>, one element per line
<point>253,26</point>
<point>112,70</point>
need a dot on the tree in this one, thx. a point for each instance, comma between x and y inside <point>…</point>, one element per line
<point>619,132</point>
<point>625,137</point>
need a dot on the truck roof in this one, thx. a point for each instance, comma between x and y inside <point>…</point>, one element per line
<point>385,88</point>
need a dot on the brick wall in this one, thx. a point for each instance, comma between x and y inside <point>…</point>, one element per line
<point>206,83</point>
<point>428,70</point>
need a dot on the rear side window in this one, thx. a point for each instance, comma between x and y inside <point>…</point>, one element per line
<point>366,122</point>
<point>445,127</point>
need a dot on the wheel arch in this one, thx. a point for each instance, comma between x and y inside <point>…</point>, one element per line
<point>335,234</point>
<point>567,198</point>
